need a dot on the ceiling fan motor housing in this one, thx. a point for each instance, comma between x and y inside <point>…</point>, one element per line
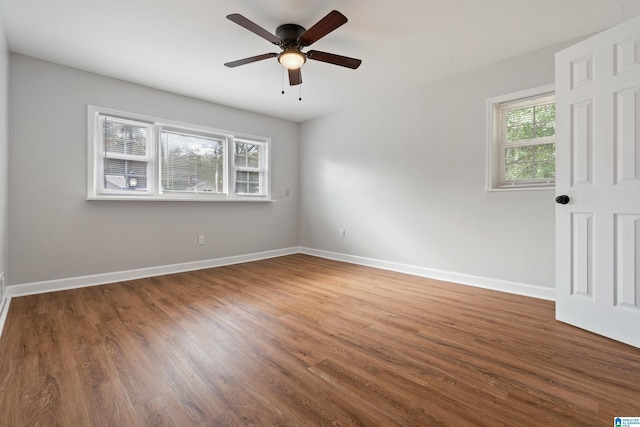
<point>289,34</point>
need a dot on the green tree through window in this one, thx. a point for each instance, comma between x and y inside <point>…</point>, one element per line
<point>528,142</point>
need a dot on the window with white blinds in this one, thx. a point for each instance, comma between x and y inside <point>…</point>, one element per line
<point>124,154</point>
<point>522,140</point>
<point>192,163</point>
<point>139,157</point>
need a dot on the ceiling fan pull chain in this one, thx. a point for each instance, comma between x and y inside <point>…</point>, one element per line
<point>282,79</point>
<point>300,92</point>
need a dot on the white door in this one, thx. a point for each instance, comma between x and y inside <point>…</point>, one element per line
<point>598,168</point>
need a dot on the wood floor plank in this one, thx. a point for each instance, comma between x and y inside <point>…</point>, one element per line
<point>299,340</point>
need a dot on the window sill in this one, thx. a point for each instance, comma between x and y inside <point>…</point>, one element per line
<point>182,199</point>
<point>508,189</point>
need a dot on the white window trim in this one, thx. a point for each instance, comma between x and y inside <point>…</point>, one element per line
<point>93,172</point>
<point>494,166</point>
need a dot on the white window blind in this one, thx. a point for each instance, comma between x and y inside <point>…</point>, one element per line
<point>192,163</point>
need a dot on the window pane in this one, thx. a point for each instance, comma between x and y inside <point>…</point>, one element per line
<point>247,182</point>
<point>545,170</point>
<point>530,162</point>
<point>519,171</point>
<point>545,152</point>
<point>520,116</point>
<point>520,124</point>
<point>530,122</point>
<point>520,132</point>
<point>545,129</point>
<point>519,154</point>
<point>545,113</point>
<point>125,175</point>
<point>247,155</point>
<point>192,163</point>
<point>123,138</point>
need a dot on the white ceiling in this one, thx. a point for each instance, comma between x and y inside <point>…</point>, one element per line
<point>181,45</point>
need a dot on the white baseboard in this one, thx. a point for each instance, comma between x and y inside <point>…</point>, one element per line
<point>534,291</point>
<point>119,276</point>
<point>4,311</point>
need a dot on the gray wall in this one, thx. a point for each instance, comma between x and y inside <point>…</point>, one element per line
<point>4,150</point>
<point>55,233</point>
<point>405,177</point>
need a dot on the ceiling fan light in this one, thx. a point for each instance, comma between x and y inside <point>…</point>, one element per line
<point>292,59</point>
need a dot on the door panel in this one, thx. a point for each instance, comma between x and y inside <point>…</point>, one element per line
<point>628,261</point>
<point>582,260</point>
<point>627,134</point>
<point>598,167</point>
<point>582,143</point>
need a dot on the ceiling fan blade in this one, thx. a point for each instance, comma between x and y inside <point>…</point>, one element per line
<point>333,20</point>
<point>250,59</point>
<point>253,27</point>
<point>332,58</point>
<point>295,77</point>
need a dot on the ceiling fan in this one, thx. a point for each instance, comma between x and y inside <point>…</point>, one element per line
<point>292,38</point>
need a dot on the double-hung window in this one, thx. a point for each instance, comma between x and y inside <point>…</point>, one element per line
<point>249,163</point>
<point>124,155</point>
<point>522,140</point>
<point>139,157</point>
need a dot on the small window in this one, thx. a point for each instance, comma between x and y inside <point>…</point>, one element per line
<point>140,157</point>
<point>125,155</point>
<point>249,162</point>
<point>522,140</point>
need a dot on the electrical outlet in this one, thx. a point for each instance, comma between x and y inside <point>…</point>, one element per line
<point>201,239</point>
<point>342,233</point>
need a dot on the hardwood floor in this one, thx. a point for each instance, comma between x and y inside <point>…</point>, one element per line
<point>297,341</point>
